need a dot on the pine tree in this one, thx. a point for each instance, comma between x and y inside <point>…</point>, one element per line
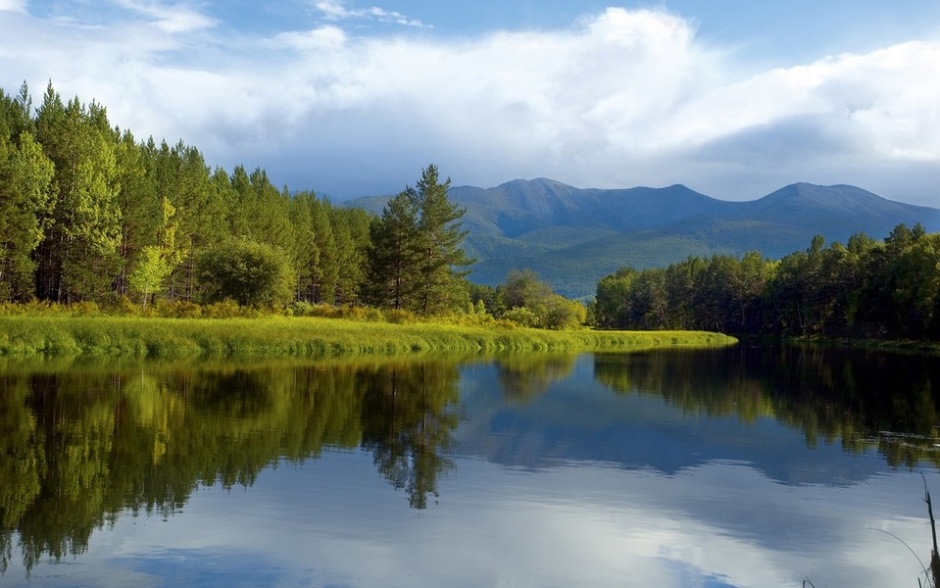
<point>441,287</point>
<point>79,256</point>
<point>26,198</point>
<point>393,257</point>
<point>141,214</point>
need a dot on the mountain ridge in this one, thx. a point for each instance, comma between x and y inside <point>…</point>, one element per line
<point>574,236</point>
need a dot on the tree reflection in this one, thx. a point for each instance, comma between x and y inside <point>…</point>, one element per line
<point>861,399</point>
<point>81,446</point>
<point>407,426</point>
<point>525,376</point>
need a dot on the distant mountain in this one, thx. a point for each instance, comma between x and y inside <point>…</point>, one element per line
<point>572,237</point>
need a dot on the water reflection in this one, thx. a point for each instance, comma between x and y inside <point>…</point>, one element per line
<point>83,444</point>
<point>526,376</point>
<point>860,399</point>
<point>407,425</point>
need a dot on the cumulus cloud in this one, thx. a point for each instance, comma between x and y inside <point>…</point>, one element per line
<point>619,98</point>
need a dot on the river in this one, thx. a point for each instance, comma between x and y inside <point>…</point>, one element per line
<point>742,466</point>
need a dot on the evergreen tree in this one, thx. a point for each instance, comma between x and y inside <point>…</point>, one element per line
<point>141,210</point>
<point>326,275</point>
<point>26,199</point>
<point>184,179</point>
<point>441,286</point>
<point>351,237</point>
<point>78,259</point>
<point>394,254</point>
<point>15,114</point>
<point>306,255</point>
<point>416,253</point>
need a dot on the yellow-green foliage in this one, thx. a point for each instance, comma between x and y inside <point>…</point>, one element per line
<point>58,334</point>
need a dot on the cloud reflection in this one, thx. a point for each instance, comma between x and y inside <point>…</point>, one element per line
<point>590,525</point>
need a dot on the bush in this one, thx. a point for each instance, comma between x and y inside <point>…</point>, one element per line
<point>399,316</point>
<point>228,308</point>
<point>178,309</point>
<point>522,316</point>
<point>249,273</point>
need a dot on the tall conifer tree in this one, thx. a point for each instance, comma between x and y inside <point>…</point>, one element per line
<point>441,285</point>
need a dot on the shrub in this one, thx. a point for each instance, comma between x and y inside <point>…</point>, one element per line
<point>251,274</point>
<point>399,316</point>
<point>522,316</point>
<point>178,309</point>
<point>227,308</point>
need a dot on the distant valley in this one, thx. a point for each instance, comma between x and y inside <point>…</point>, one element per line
<point>572,237</point>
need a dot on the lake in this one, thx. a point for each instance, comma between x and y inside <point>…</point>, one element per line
<point>743,466</point>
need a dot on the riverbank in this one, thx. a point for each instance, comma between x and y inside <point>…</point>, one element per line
<point>279,336</point>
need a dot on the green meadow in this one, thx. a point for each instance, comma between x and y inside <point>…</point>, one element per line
<point>58,335</point>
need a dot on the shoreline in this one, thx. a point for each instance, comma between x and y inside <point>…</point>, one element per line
<point>308,337</point>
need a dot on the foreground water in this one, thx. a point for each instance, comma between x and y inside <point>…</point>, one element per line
<point>724,467</point>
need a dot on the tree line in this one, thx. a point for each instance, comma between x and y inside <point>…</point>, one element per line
<point>90,214</point>
<point>871,288</point>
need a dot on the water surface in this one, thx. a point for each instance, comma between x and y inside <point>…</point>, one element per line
<point>725,467</point>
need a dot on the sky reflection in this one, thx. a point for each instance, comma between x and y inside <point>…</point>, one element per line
<point>332,522</point>
<point>570,485</point>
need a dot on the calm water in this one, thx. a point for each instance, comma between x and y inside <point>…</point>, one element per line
<point>735,467</point>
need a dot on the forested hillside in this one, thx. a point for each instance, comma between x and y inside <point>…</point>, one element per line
<point>572,237</point>
<point>90,213</point>
<point>887,289</point>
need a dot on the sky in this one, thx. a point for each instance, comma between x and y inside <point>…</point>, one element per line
<point>733,98</point>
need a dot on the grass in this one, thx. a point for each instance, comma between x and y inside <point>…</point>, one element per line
<point>59,335</point>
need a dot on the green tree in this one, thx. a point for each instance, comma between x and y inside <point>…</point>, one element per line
<point>394,254</point>
<point>156,262</point>
<point>441,287</point>
<point>351,236</point>
<point>306,254</point>
<point>184,179</point>
<point>16,114</point>
<point>78,259</point>
<point>528,300</point>
<point>251,274</point>
<point>149,274</point>
<point>613,301</point>
<point>26,201</point>
<point>141,215</point>
<point>325,277</point>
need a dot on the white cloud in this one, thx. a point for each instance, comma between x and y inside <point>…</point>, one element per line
<point>328,37</point>
<point>13,5</point>
<point>621,98</point>
<point>172,18</point>
<point>336,10</point>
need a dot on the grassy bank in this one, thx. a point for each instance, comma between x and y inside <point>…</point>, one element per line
<point>278,336</point>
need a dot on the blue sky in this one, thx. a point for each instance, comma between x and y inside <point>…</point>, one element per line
<point>733,98</point>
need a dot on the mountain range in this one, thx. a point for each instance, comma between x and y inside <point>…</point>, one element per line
<point>572,237</point>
